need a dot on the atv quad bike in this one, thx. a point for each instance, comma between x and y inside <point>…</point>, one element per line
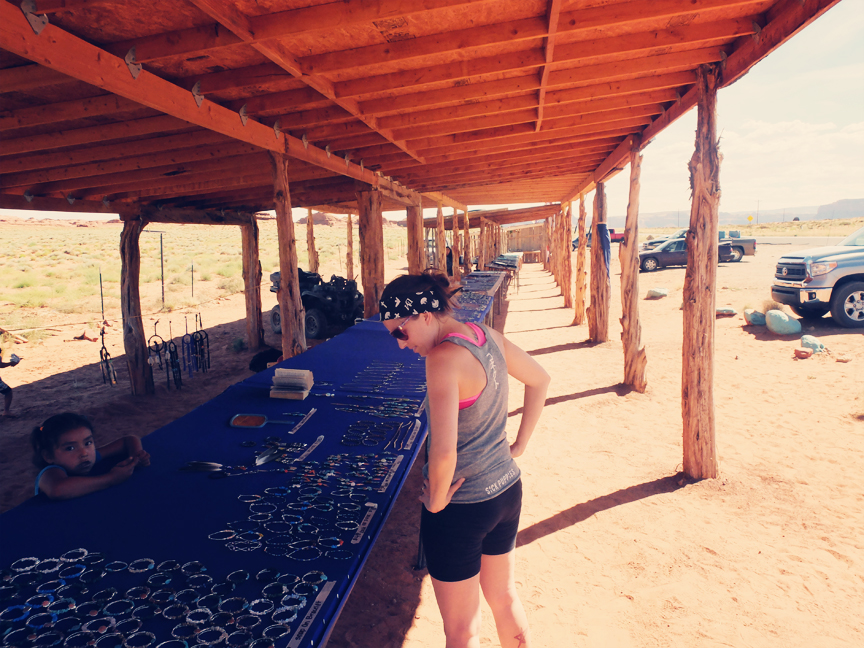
<point>333,303</point>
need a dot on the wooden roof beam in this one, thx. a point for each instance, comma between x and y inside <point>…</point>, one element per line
<point>443,170</point>
<point>92,134</point>
<point>552,14</point>
<point>74,57</point>
<point>55,6</point>
<point>153,214</point>
<point>531,171</point>
<point>436,196</point>
<point>496,215</point>
<point>30,77</point>
<point>78,156</point>
<point>39,203</point>
<point>526,30</point>
<point>535,59</point>
<point>225,12</point>
<point>785,22</point>
<point>65,111</point>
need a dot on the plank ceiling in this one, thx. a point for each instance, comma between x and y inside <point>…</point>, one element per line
<point>484,101</point>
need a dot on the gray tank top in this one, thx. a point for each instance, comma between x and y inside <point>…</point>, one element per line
<point>482,452</point>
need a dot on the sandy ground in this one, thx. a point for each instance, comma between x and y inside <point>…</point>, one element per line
<point>616,549</point>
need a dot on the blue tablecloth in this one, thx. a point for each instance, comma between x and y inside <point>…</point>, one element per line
<point>164,514</point>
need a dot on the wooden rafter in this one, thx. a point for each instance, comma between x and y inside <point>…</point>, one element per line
<point>61,51</point>
<point>552,14</point>
<point>225,13</point>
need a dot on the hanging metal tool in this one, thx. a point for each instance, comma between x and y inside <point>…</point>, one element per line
<point>105,364</point>
<point>201,344</point>
<point>187,349</point>
<point>173,364</point>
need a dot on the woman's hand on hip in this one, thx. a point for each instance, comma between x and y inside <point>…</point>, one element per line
<point>426,496</point>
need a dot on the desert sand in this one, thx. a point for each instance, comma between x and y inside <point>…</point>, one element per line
<point>616,547</point>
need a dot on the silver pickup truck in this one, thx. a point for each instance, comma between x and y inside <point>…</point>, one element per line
<point>740,246</point>
<point>815,281</point>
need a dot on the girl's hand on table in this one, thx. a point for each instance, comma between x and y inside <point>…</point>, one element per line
<point>123,470</point>
<point>143,457</point>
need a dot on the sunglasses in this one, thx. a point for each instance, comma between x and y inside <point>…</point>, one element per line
<point>398,333</point>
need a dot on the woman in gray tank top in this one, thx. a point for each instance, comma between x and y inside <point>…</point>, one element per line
<point>472,490</point>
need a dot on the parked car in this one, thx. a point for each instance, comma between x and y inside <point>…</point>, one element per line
<point>818,280</point>
<point>336,302</point>
<point>741,247</point>
<point>616,237</point>
<point>674,252</point>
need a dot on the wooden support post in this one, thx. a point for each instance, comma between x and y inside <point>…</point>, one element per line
<point>482,255</point>
<point>416,253</point>
<point>440,243</point>
<point>466,244</point>
<point>581,273</point>
<point>567,279</point>
<point>290,306</point>
<point>635,359</point>
<point>134,340</point>
<point>598,311</point>
<point>371,250</point>
<point>457,270</point>
<point>252,285</point>
<point>349,255</point>
<point>697,379</point>
<point>310,243</point>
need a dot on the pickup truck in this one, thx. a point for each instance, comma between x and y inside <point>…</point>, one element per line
<point>740,246</point>
<point>817,280</point>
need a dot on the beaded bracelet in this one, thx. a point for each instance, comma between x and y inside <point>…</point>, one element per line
<point>24,564</point>
<point>72,571</point>
<point>61,606</point>
<point>109,640</point>
<point>227,534</point>
<point>284,616</point>
<point>247,622</point>
<point>48,639</point>
<point>93,558</point>
<point>305,589</point>
<point>239,639</point>
<point>141,565</point>
<point>91,576</point>
<point>276,550</point>
<point>74,555</point>
<point>159,579</point>
<point>274,632</point>
<point>233,605</point>
<point>244,545</point>
<point>139,640</point>
<point>116,566</point>
<point>100,625</point>
<point>19,637</point>
<point>262,507</point>
<point>292,601</point>
<point>209,601</point>
<point>212,636</point>
<point>193,567</point>
<point>48,565</point>
<point>162,597</point>
<point>72,590</point>
<point>305,554</point>
<point>184,631</point>
<point>267,575</point>
<point>146,611</point>
<point>88,608</point>
<point>120,607</point>
<point>221,619</point>
<point>176,611</point>
<point>275,590</point>
<point>338,554</point>
<point>168,566</point>
<point>127,627</point>
<point>187,596</point>
<point>261,607</point>
<point>68,624</point>
<point>199,581</point>
<point>39,600</point>
<point>258,518</point>
<point>78,640</point>
<point>198,616</point>
<point>15,613</point>
<point>103,596</point>
<point>262,642</point>
<point>248,499</point>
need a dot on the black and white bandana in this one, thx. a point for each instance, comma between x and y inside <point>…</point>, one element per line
<point>395,307</point>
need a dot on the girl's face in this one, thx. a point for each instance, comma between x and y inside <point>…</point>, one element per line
<point>414,333</point>
<point>74,451</point>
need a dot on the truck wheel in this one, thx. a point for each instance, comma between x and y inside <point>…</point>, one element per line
<point>316,323</point>
<point>737,254</point>
<point>847,305</point>
<point>276,319</point>
<point>649,264</point>
<point>809,313</point>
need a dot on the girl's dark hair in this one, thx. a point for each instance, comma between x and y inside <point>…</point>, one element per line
<point>45,436</point>
<point>430,279</point>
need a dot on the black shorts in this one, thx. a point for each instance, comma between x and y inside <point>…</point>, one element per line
<point>4,388</point>
<point>456,537</point>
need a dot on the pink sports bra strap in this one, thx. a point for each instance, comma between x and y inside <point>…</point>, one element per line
<point>481,337</point>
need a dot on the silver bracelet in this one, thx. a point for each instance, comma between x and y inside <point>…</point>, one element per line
<point>261,607</point>
<point>284,616</point>
<point>74,555</point>
<point>139,640</point>
<point>211,636</point>
<point>141,565</point>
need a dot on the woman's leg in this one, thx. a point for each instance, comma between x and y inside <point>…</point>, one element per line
<point>498,580</point>
<point>459,603</point>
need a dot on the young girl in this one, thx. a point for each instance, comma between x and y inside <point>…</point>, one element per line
<point>64,450</point>
<point>472,494</point>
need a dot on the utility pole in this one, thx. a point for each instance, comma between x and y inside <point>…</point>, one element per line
<point>757,212</point>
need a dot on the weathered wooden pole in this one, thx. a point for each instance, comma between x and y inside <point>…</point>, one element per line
<point>349,254</point>
<point>598,311</point>
<point>310,243</point>
<point>416,257</point>
<point>134,340</point>
<point>697,371</point>
<point>581,273</point>
<point>252,284</point>
<point>457,271</point>
<point>371,250</point>
<point>635,359</point>
<point>467,256</point>
<point>440,242</point>
<point>290,307</point>
<point>567,280</point>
